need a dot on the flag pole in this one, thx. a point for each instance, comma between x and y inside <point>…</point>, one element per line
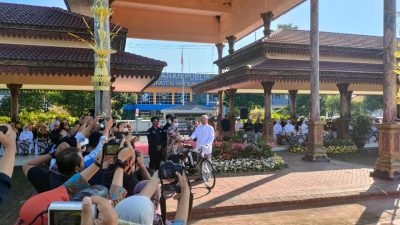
<point>183,78</point>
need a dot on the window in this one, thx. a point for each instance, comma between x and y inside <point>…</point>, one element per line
<point>164,98</point>
<point>146,98</point>
<point>178,98</point>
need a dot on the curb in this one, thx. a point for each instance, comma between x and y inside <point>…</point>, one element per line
<point>257,207</point>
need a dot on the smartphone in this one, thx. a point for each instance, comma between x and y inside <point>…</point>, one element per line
<point>111,149</point>
<point>3,129</point>
<point>67,213</point>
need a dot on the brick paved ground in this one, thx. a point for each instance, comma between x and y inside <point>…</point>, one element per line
<point>301,182</point>
<point>375,211</point>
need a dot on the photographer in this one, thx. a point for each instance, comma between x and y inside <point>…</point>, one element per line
<point>68,161</point>
<point>137,170</point>
<point>139,209</point>
<point>34,210</point>
<point>7,161</point>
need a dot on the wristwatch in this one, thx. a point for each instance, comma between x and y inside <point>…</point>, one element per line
<point>53,154</point>
<point>120,164</point>
<point>97,164</point>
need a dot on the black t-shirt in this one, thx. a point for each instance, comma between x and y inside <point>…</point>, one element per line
<point>154,136</point>
<point>43,180</point>
<point>5,185</point>
<point>258,127</point>
<point>248,127</point>
<point>226,125</point>
<point>105,176</point>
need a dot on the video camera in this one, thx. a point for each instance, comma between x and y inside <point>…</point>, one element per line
<point>168,171</point>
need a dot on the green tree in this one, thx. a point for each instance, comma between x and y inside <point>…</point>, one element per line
<point>303,104</point>
<point>287,26</point>
<point>373,103</point>
<point>332,104</point>
<point>76,103</point>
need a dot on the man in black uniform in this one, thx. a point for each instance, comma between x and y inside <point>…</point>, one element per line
<point>154,135</point>
<point>164,137</point>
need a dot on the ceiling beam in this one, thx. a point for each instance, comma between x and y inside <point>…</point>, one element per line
<point>216,7</point>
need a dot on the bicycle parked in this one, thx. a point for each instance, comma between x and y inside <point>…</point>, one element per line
<point>197,163</point>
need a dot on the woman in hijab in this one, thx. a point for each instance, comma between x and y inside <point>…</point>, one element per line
<point>139,209</point>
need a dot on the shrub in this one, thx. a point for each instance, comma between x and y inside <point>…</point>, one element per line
<point>4,119</point>
<point>25,117</point>
<point>362,127</point>
<point>248,165</point>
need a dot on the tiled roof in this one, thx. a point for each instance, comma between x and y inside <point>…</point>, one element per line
<point>75,55</point>
<point>295,71</point>
<point>299,65</point>
<point>54,60</point>
<point>40,16</point>
<point>18,20</point>
<point>302,37</point>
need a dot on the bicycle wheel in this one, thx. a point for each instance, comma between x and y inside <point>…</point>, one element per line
<point>207,173</point>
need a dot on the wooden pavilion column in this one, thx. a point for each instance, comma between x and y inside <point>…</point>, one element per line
<point>14,91</point>
<point>345,111</point>
<point>315,151</point>
<point>231,95</point>
<point>267,19</point>
<point>292,96</point>
<point>388,164</point>
<point>220,48</point>
<point>231,43</point>
<point>220,105</point>
<point>268,125</point>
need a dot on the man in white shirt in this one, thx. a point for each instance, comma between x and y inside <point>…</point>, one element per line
<point>205,136</point>
<point>289,127</point>
<point>277,129</point>
<point>25,141</point>
<point>304,127</point>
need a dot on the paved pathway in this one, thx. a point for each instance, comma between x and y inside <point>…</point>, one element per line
<point>375,211</point>
<point>300,183</point>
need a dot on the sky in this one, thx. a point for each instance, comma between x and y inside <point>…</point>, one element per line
<point>342,16</point>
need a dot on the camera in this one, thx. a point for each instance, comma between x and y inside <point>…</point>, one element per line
<point>168,170</point>
<point>67,213</point>
<point>95,190</point>
<point>102,122</point>
<point>111,148</point>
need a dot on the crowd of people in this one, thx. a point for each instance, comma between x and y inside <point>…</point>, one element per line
<point>77,166</point>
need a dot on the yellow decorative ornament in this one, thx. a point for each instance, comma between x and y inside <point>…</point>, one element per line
<point>101,46</point>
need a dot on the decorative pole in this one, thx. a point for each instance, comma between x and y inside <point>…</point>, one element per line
<point>388,164</point>
<point>315,150</point>
<point>101,78</point>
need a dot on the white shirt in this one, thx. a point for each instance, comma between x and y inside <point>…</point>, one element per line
<point>304,128</point>
<point>289,128</point>
<point>205,136</point>
<point>277,129</point>
<point>26,135</point>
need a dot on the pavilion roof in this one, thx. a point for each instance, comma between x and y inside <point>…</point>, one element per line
<point>33,60</point>
<point>280,70</point>
<point>29,21</point>
<point>290,41</point>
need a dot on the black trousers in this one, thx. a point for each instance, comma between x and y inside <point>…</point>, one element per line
<point>155,158</point>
